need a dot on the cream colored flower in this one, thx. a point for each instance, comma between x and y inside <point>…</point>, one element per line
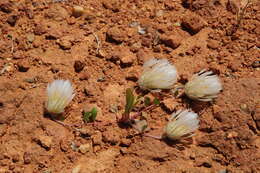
<point>203,86</point>
<point>60,93</point>
<point>182,124</point>
<point>158,74</point>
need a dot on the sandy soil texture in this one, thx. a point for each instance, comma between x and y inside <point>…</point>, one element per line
<point>101,49</point>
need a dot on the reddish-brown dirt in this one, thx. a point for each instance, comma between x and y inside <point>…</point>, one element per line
<point>101,52</point>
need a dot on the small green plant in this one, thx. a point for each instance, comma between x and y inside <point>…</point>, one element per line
<point>90,116</point>
<point>132,101</point>
<point>148,102</point>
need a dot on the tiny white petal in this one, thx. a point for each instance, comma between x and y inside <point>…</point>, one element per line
<point>60,93</point>
<point>158,74</point>
<point>182,124</point>
<point>203,86</point>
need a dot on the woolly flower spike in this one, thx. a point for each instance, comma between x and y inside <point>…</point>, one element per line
<point>158,74</point>
<point>182,124</point>
<point>60,93</point>
<point>203,86</point>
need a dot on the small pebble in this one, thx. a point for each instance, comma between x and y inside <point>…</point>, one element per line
<point>256,64</point>
<point>213,44</point>
<point>115,34</point>
<point>74,147</point>
<point>141,30</point>
<point>65,42</point>
<point>12,20</point>
<point>3,127</point>
<point>85,148</point>
<point>222,171</point>
<point>27,157</point>
<point>47,171</point>
<point>77,11</point>
<point>193,23</point>
<point>76,169</point>
<point>15,158</point>
<point>97,148</point>
<point>232,135</point>
<point>44,141</point>
<point>111,137</point>
<point>55,69</point>
<point>244,108</point>
<point>23,65</point>
<point>79,66</point>
<point>7,68</point>
<point>172,41</point>
<point>64,145</point>
<point>84,76</point>
<point>30,37</point>
<point>6,7</point>
<point>125,142</point>
<point>97,138</point>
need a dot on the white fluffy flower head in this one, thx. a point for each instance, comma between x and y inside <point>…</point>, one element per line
<point>60,93</point>
<point>158,74</point>
<point>182,124</point>
<point>203,86</point>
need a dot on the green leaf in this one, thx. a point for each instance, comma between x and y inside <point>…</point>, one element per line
<point>147,101</point>
<point>93,114</point>
<point>130,100</point>
<point>86,116</point>
<point>156,101</point>
<point>90,116</point>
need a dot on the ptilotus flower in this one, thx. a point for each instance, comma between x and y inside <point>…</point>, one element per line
<point>182,124</point>
<point>158,74</point>
<point>203,86</point>
<point>60,93</point>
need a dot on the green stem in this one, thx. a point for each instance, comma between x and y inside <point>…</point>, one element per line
<point>125,118</point>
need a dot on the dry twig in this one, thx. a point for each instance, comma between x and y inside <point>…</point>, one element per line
<point>98,43</point>
<point>240,15</point>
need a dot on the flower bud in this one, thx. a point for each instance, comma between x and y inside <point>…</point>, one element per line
<point>182,124</point>
<point>203,86</point>
<point>158,74</point>
<point>60,93</point>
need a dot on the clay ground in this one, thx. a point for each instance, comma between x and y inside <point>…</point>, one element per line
<point>101,52</point>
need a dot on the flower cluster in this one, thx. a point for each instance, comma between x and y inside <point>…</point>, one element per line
<point>60,93</point>
<point>182,124</point>
<point>158,74</point>
<point>203,86</point>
